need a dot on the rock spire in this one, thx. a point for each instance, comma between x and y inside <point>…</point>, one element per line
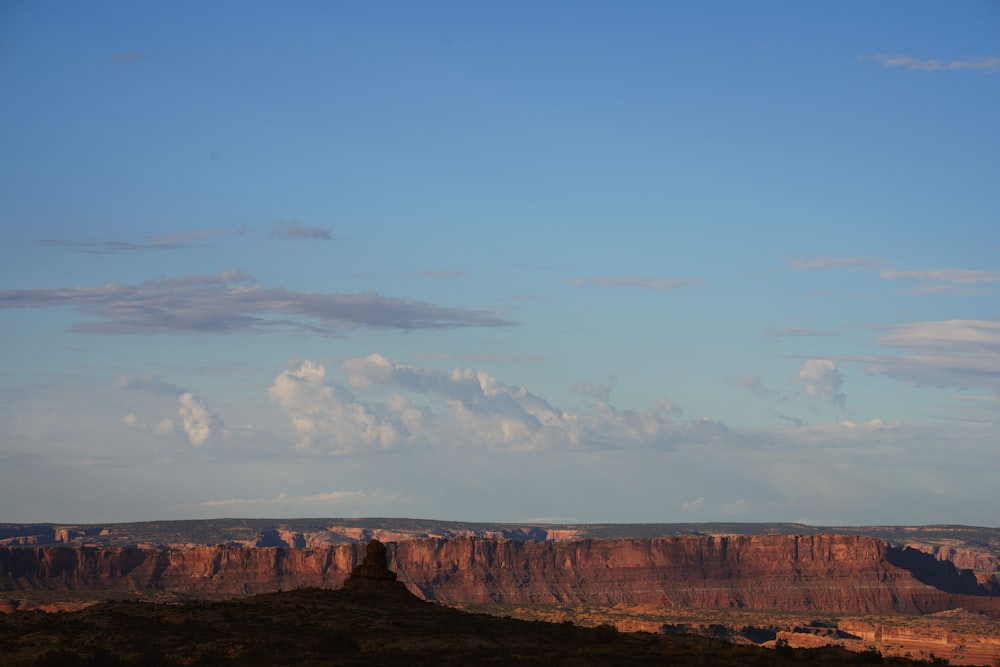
<point>373,574</point>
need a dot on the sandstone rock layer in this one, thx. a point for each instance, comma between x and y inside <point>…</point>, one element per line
<point>824,573</point>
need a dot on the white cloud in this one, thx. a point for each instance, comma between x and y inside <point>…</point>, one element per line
<point>645,282</point>
<point>985,63</point>
<point>162,427</point>
<point>198,422</point>
<point>327,417</point>
<point>464,408</point>
<point>820,379</point>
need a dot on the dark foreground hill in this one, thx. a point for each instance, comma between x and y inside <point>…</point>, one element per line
<point>356,627</point>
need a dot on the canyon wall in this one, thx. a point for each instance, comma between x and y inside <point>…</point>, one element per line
<point>823,573</point>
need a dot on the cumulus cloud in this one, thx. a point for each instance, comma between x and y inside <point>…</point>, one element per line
<point>295,231</point>
<point>231,302</point>
<point>986,64</point>
<point>163,427</point>
<point>820,379</point>
<point>327,417</point>
<point>832,263</point>
<point>463,408</point>
<point>951,353</point>
<point>197,421</point>
<point>645,282</point>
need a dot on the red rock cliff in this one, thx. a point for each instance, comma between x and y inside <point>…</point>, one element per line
<point>830,573</point>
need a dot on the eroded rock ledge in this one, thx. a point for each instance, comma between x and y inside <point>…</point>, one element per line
<point>829,573</point>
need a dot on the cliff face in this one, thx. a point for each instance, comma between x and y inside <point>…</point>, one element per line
<point>829,573</point>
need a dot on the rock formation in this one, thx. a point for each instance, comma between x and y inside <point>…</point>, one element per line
<point>823,573</point>
<point>373,575</point>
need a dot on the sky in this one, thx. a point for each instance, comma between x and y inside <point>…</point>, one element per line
<point>519,261</point>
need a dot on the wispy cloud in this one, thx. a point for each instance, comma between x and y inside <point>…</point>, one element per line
<point>645,282</point>
<point>796,332</point>
<point>175,241</point>
<point>754,385</point>
<point>991,400</point>
<point>935,281</point>
<point>231,302</point>
<point>601,392</point>
<point>149,383</point>
<point>443,275</point>
<point>180,238</point>
<point>482,357</point>
<point>964,354</point>
<point>986,64</point>
<point>832,263</point>
<point>127,57</point>
<point>295,231</point>
<point>329,497</point>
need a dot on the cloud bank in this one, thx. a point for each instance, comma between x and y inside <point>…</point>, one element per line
<point>463,409</point>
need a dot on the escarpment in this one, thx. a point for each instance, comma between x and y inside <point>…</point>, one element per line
<point>828,573</point>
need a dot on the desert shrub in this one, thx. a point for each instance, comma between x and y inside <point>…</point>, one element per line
<point>870,657</point>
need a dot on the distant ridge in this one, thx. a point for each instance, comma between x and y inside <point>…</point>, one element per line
<point>300,532</point>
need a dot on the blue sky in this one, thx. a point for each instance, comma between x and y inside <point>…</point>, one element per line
<point>509,261</point>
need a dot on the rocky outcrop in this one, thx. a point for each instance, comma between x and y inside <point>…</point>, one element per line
<point>373,575</point>
<point>979,561</point>
<point>824,573</point>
